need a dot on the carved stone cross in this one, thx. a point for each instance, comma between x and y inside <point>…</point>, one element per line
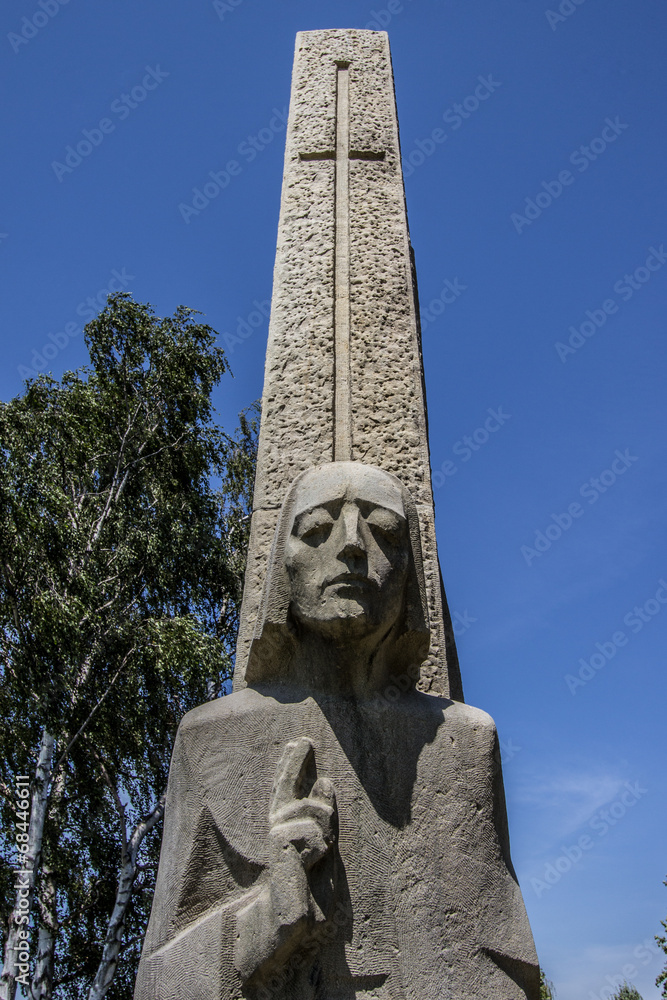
<point>342,450</point>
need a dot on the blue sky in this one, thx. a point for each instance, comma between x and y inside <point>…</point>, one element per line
<point>540,220</point>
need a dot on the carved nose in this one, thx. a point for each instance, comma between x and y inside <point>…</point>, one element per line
<point>352,542</point>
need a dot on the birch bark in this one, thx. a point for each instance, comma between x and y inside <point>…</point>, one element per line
<point>116,927</point>
<point>26,880</point>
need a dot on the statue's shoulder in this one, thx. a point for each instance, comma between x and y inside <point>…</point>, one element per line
<point>455,714</point>
<point>471,717</point>
<point>231,706</point>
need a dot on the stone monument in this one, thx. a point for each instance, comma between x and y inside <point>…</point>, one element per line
<point>336,827</point>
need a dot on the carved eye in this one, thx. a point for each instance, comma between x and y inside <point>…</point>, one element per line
<point>386,524</point>
<point>314,527</point>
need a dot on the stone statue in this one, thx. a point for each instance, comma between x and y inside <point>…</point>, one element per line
<point>330,831</point>
<point>336,827</point>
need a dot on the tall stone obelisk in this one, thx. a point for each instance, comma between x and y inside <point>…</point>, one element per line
<point>344,376</point>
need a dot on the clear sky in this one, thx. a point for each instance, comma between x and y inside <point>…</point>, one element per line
<point>538,221</point>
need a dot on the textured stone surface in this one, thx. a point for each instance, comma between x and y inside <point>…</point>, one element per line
<point>330,832</point>
<point>427,907</point>
<point>387,418</point>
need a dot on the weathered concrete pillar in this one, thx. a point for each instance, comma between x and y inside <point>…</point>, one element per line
<point>344,377</point>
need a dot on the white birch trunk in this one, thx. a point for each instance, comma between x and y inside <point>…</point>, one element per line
<point>25,881</point>
<point>42,982</point>
<point>116,927</point>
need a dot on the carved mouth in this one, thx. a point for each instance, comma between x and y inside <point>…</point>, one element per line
<point>350,580</point>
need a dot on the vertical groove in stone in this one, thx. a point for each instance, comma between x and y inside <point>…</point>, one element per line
<point>342,441</point>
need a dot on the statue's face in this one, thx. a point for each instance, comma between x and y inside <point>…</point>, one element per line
<point>348,551</point>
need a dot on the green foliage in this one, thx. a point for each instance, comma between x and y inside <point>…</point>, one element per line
<point>662,941</point>
<point>546,987</point>
<point>626,992</point>
<point>121,574</point>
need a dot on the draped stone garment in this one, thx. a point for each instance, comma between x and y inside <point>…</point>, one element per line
<point>425,903</point>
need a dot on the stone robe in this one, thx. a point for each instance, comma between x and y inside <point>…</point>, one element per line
<point>425,902</point>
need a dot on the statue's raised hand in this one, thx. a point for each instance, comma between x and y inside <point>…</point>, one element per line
<point>305,823</point>
<point>302,830</point>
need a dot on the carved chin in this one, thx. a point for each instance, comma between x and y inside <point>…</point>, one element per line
<point>344,605</point>
<point>347,616</point>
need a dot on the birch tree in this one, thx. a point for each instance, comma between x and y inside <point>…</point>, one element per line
<point>546,987</point>
<point>662,941</point>
<point>123,529</point>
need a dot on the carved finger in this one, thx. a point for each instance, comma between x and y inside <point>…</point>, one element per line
<point>323,790</point>
<point>289,775</point>
<point>304,809</point>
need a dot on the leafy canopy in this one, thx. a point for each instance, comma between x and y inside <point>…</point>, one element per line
<point>124,515</point>
<point>626,992</point>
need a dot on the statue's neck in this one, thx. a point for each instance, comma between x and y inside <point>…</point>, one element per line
<point>353,668</point>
